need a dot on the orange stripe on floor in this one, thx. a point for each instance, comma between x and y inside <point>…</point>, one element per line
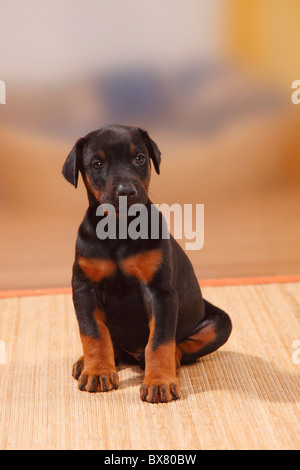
<point>239,281</point>
<point>230,281</point>
<point>32,292</point>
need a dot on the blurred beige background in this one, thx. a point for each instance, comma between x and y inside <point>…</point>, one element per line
<point>210,81</point>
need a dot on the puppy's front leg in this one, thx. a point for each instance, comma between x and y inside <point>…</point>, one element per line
<point>95,370</point>
<point>160,382</point>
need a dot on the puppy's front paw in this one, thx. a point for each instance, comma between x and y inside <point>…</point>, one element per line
<point>88,381</point>
<point>77,368</point>
<point>159,392</point>
<point>102,381</point>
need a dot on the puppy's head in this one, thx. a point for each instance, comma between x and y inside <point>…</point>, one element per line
<point>114,161</point>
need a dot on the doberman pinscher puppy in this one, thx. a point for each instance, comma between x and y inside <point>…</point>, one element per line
<point>139,297</point>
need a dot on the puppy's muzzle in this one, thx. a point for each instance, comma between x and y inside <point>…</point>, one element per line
<point>126,189</point>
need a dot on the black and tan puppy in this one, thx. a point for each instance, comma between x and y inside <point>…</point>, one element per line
<point>138,297</point>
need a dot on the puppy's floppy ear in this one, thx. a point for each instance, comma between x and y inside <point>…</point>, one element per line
<point>153,150</point>
<point>72,164</point>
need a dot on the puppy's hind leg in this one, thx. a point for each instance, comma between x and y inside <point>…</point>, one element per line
<point>212,332</point>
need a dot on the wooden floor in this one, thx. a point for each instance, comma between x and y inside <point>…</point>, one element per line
<point>244,396</point>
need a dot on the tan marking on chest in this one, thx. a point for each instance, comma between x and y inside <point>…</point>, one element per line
<point>143,265</point>
<point>97,269</point>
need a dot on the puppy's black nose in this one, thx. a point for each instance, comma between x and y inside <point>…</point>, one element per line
<point>128,190</point>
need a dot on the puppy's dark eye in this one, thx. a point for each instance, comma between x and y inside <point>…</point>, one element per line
<point>97,165</point>
<point>139,159</point>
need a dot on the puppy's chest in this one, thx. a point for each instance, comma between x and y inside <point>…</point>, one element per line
<point>142,266</point>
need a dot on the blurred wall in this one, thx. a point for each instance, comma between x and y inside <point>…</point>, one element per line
<point>264,35</point>
<point>47,42</point>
